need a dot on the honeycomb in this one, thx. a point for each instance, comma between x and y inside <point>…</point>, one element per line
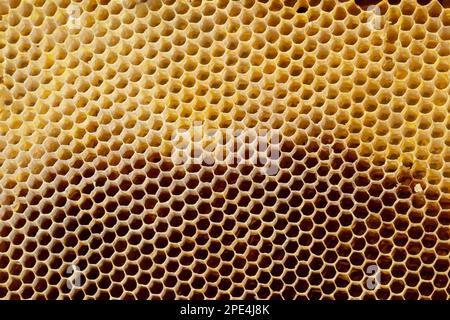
<point>93,205</point>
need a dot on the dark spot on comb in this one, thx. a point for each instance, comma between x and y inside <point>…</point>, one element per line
<point>445,3</point>
<point>364,4</point>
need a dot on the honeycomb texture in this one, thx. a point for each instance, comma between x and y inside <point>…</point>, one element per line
<point>90,98</point>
